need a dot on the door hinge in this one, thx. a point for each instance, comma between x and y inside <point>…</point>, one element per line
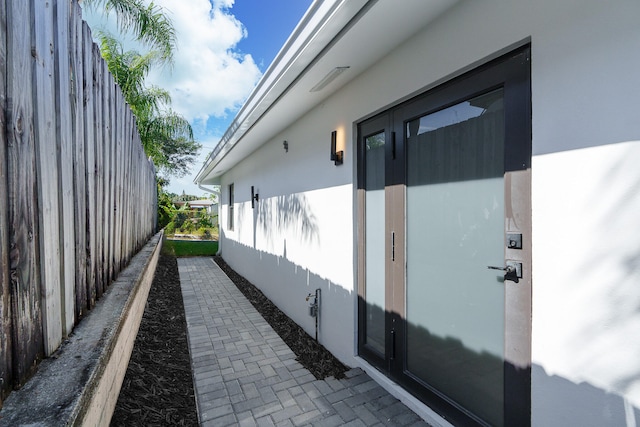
<point>393,145</point>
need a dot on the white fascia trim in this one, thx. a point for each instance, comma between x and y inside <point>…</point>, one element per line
<point>311,36</point>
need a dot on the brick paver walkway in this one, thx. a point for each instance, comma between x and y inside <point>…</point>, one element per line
<point>244,374</point>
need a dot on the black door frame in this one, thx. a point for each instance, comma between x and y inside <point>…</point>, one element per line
<point>512,72</point>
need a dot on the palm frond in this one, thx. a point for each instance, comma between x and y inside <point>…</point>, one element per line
<point>150,24</point>
<point>166,136</point>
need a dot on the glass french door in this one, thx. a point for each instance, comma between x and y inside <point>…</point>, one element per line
<point>444,280</point>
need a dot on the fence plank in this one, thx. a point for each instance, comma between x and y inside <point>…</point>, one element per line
<point>89,136</point>
<point>49,219</point>
<point>117,175</point>
<point>65,159</point>
<point>112,176</point>
<point>108,206</point>
<point>23,203</point>
<point>131,130</point>
<point>120,205</point>
<point>6,372</point>
<point>99,167</point>
<point>79,166</point>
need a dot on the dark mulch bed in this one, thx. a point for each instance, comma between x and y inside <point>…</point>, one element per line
<point>158,385</point>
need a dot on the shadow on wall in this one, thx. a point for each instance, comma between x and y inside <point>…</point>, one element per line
<point>555,401</point>
<point>616,205</point>
<point>475,381</point>
<point>272,216</point>
<point>615,210</point>
<point>286,212</point>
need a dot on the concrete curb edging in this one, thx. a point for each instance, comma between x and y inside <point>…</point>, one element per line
<point>79,384</point>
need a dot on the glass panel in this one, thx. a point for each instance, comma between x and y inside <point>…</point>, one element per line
<point>455,229</point>
<point>374,242</point>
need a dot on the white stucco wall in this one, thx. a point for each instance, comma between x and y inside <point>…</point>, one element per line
<point>586,298</point>
<point>298,238</point>
<point>586,241</point>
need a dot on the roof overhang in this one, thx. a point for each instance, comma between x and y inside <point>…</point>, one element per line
<point>335,41</point>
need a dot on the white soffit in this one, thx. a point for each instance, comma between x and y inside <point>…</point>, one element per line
<point>333,33</point>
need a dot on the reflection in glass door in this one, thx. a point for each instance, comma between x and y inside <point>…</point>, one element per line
<point>455,229</point>
<point>375,243</point>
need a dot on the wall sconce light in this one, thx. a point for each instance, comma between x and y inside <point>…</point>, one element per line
<point>254,197</point>
<point>336,156</point>
<point>285,144</point>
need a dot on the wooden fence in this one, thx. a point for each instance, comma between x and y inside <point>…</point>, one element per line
<point>77,193</point>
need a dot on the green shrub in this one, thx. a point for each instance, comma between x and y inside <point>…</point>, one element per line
<point>181,218</point>
<point>170,228</point>
<point>187,226</point>
<point>166,209</point>
<point>203,233</point>
<point>204,220</point>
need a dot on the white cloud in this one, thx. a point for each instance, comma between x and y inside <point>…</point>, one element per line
<point>209,78</point>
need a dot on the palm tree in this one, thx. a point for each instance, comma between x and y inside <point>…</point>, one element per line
<point>149,23</point>
<point>168,139</point>
<point>166,136</point>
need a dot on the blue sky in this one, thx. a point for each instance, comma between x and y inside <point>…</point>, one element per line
<point>269,24</point>
<point>224,47</point>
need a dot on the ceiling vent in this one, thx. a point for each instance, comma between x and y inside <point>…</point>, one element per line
<point>331,76</point>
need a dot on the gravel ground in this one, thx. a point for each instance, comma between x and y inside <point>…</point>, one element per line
<point>158,387</point>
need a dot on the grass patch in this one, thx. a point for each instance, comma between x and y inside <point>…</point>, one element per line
<point>186,248</point>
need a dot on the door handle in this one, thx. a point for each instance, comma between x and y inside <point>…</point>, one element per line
<point>507,268</point>
<point>513,271</point>
<point>393,246</point>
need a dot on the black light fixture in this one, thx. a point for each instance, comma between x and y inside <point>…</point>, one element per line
<point>254,197</point>
<point>285,144</point>
<point>336,156</point>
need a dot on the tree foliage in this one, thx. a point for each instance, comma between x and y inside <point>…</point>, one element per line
<point>166,136</point>
<point>166,208</point>
<point>149,24</point>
